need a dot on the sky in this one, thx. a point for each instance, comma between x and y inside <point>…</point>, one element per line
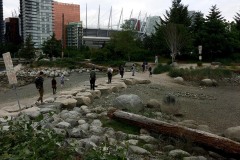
<point>228,8</point>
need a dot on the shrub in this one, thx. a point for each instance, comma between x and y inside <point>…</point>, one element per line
<point>199,64</point>
<point>24,141</point>
<point>161,69</point>
<point>199,74</point>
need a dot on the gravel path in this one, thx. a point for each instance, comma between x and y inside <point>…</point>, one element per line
<point>217,107</point>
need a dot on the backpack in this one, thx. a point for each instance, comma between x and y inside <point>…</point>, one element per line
<point>92,75</point>
<point>38,82</point>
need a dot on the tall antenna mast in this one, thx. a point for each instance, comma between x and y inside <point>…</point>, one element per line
<point>110,19</point>
<point>99,17</point>
<point>120,19</point>
<point>86,17</point>
<point>131,14</point>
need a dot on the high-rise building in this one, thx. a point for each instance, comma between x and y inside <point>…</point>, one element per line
<point>12,31</point>
<point>64,13</point>
<point>1,22</point>
<point>74,34</point>
<point>36,20</point>
<point>151,23</point>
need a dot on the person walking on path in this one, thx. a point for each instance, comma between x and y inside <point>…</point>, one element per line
<point>62,80</point>
<point>121,70</point>
<point>109,73</point>
<point>156,59</point>
<point>133,69</point>
<point>150,71</point>
<point>39,85</point>
<point>92,79</point>
<point>143,67</point>
<point>54,85</point>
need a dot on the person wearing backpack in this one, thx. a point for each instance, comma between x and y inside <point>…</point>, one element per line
<point>39,85</point>
<point>92,79</point>
<point>121,70</point>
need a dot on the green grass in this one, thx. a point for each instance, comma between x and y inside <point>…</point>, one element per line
<point>120,126</point>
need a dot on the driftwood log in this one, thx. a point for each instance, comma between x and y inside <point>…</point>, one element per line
<point>219,144</point>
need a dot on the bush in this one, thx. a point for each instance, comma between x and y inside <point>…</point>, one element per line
<point>199,74</point>
<point>23,141</point>
<point>161,69</point>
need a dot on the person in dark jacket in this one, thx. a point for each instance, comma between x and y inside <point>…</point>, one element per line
<point>39,85</point>
<point>92,79</point>
<point>54,85</point>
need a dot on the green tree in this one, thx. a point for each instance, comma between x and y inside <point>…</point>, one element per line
<point>52,47</point>
<point>123,43</point>
<point>177,14</point>
<point>175,36</point>
<point>197,28</point>
<point>216,35</point>
<point>237,20</point>
<point>28,50</point>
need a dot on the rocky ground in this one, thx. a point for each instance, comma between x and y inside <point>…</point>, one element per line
<point>215,108</point>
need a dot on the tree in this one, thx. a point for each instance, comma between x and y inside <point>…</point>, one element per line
<point>123,43</point>
<point>197,30</point>
<point>177,14</point>
<point>28,50</point>
<point>216,37</point>
<point>237,20</point>
<point>175,36</point>
<point>52,47</point>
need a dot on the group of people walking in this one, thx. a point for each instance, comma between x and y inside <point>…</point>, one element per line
<point>92,78</point>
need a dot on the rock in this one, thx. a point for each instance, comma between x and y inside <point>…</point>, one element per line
<point>168,148</point>
<point>49,100</point>
<point>105,90</point>
<point>82,100</point>
<point>132,142</point>
<point>148,139</point>
<point>130,81</point>
<point>81,121</point>
<point>153,103</point>
<point>170,105</point>
<point>205,128</point>
<point>72,92</point>
<point>97,123</point>
<point>60,131</point>
<point>95,93</point>
<point>137,150</point>
<point>129,102</point>
<point>179,80</point>
<point>69,103</point>
<point>195,158</point>
<point>6,114</point>
<point>33,112</point>
<point>178,153</point>
<point>233,133</point>
<point>85,94</point>
<point>189,123</point>
<point>209,82</point>
<point>77,133</point>
<point>63,125</point>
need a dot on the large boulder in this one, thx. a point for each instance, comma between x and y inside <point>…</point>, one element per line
<point>233,133</point>
<point>170,105</point>
<point>129,102</point>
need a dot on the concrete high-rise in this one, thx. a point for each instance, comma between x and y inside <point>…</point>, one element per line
<point>151,24</point>
<point>74,34</point>
<point>64,13</point>
<point>36,20</point>
<point>1,22</point>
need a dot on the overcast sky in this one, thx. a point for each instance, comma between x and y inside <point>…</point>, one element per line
<point>228,8</point>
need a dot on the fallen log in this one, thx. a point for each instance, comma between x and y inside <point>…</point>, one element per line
<point>220,144</point>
